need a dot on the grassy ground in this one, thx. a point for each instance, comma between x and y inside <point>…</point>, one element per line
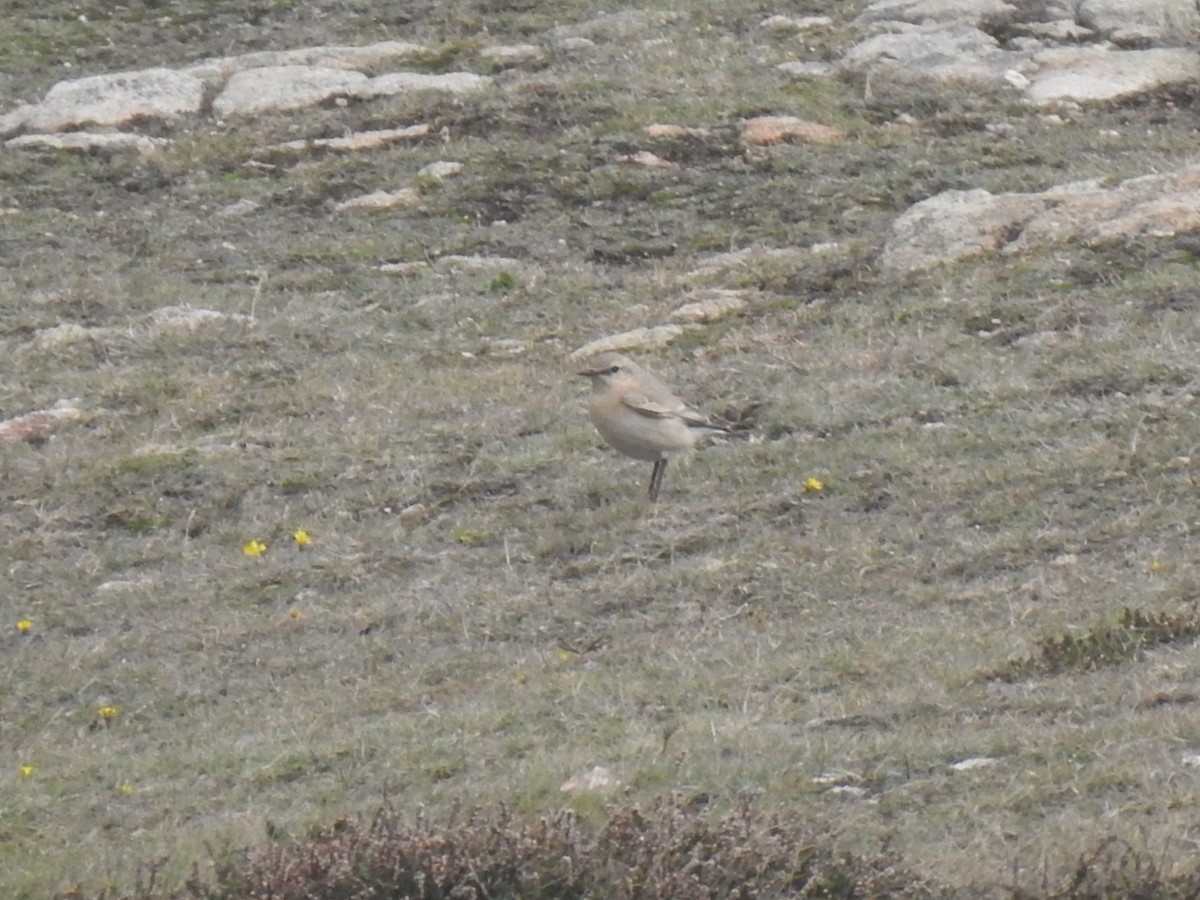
<point>488,605</point>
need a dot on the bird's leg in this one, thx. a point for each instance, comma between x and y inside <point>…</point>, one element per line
<point>656,477</point>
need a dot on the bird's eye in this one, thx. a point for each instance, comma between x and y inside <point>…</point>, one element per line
<point>614,370</point>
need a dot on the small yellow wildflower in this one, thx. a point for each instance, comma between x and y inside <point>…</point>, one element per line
<point>302,538</point>
<point>27,771</point>
<point>1156,565</point>
<point>108,712</point>
<point>254,548</point>
<point>565,656</point>
<point>125,788</point>
<point>24,626</point>
<point>812,485</point>
<point>466,535</point>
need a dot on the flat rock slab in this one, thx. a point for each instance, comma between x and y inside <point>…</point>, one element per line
<point>333,57</point>
<point>450,82</point>
<point>924,11</point>
<point>940,41</point>
<point>85,141</point>
<point>955,225</point>
<point>284,87</point>
<point>939,52</point>
<point>115,99</point>
<point>1097,73</point>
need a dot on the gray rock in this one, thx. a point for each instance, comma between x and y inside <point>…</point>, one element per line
<point>87,141</point>
<point>806,69</point>
<point>1140,19</point>
<point>933,51</point>
<point>954,225</point>
<point>284,87</point>
<point>400,82</point>
<point>1099,73</point>
<point>959,224</point>
<point>944,11</point>
<point>511,54</point>
<point>114,99</point>
<point>215,71</point>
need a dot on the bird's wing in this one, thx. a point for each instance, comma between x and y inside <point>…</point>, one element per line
<point>677,409</point>
<point>651,409</point>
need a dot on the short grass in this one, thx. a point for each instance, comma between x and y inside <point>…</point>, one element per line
<point>999,564</point>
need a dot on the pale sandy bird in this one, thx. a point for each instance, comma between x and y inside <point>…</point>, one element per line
<point>640,416</point>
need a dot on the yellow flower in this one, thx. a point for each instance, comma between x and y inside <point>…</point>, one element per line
<point>812,485</point>
<point>108,712</point>
<point>302,538</point>
<point>254,548</point>
<point>1156,565</point>
<point>125,788</point>
<point>27,771</point>
<point>24,626</point>
<point>466,535</point>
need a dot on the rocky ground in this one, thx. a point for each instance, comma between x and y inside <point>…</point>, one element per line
<point>301,508</point>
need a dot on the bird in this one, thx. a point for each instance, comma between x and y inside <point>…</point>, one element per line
<point>640,416</point>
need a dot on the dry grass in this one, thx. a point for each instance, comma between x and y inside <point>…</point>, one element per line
<point>488,605</point>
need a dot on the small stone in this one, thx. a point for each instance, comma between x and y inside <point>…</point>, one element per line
<point>381,200</point>
<point>975,762</point>
<point>656,336</point>
<point>598,780</point>
<point>440,169</point>
<point>778,129</point>
<point>712,305</point>
<point>648,159</point>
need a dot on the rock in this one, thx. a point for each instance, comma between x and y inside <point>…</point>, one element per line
<point>88,141</point>
<point>674,131</point>
<point>362,140</point>
<point>478,263</point>
<point>974,762</point>
<point>940,52</point>
<point>168,318</point>
<point>115,99</point>
<point>440,169</point>
<point>712,304</point>
<point>957,224</point>
<point>778,129</point>
<point>954,225</point>
<point>404,269</point>
<point>791,23</point>
<point>381,199</point>
<point>598,780</point>
<point>511,55</point>
<point>1061,30</point>
<point>926,11</point>
<point>648,159</point>
<point>400,82</point>
<point>572,44</point>
<point>186,318</point>
<point>657,336</point>
<point>242,207</point>
<point>283,88</point>
<point>215,71</point>
<point>806,69</point>
<point>1099,73</point>
<point>38,426</point>
<point>954,50</point>
<point>1136,20</point>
